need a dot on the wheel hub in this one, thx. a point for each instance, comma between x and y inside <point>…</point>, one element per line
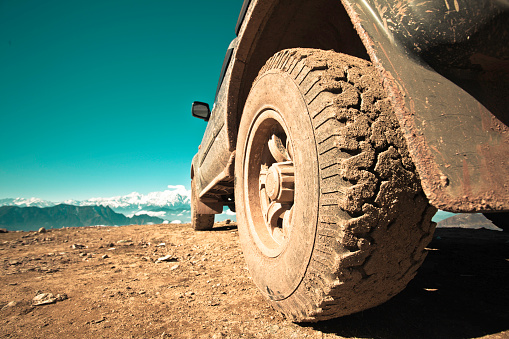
<point>279,183</point>
<point>277,188</point>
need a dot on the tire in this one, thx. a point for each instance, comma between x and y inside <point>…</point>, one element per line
<point>200,222</point>
<point>331,215</point>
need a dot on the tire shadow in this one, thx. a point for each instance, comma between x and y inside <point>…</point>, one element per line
<point>459,292</point>
<point>222,228</point>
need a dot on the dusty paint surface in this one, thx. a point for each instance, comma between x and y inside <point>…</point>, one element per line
<point>440,121</point>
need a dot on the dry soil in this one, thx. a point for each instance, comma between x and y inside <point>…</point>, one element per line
<point>110,284</point>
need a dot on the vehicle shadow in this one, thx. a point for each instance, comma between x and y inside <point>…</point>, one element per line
<point>222,228</point>
<point>459,292</point>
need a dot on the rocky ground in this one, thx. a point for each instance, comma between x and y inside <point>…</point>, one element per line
<point>167,281</point>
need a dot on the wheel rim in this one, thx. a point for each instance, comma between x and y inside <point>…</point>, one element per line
<point>269,177</point>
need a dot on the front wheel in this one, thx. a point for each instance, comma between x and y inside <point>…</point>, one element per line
<point>332,218</point>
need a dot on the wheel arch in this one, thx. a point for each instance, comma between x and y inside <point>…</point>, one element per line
<point>270,26</point>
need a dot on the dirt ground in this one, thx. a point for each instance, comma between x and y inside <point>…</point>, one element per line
<point>107,282</point>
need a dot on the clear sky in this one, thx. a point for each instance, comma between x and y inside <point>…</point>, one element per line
<point>95,96</point>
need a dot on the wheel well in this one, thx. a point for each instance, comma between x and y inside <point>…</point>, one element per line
<point>322,24</point>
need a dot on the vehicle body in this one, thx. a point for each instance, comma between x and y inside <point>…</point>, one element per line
<point>444,67</point>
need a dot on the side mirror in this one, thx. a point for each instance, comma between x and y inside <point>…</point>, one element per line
<point>201,110</point>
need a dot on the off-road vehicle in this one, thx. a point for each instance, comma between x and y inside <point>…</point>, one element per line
<point>338,129</point>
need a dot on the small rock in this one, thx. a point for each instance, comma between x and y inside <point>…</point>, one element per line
<point>78,246</point>
<point>3,230</point>
<point>166,258</point>
<point>83,254</point>
<point>188,294</point>
<point>61,297</point>
<point>95,321</point>
<point>227,221</point>
<point>44,299</point>
<point>105,256</point>
<point>42,230</point>
<point>47,298</point>
<point>214,303</point>
<point>161,244</point>
<point>174,267</point>
<point>124,241</point>
<point>14,262</point>
<point>10,304</point>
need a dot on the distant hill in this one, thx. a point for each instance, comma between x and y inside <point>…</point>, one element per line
<point>468,220</point>
<point>32,218</point>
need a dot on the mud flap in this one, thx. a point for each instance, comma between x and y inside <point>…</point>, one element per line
<point>209,207</point>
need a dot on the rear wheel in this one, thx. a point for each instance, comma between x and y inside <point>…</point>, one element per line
<point>332,218</point>
<point>200,222</point>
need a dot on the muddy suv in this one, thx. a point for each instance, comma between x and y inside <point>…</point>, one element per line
<point>339,128</point>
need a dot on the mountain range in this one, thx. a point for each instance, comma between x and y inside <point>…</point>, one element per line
<point>173,204</point>
<point>31,218</point>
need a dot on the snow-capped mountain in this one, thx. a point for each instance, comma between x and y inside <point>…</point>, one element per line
<point>173,203</point>
<point>174,198</point>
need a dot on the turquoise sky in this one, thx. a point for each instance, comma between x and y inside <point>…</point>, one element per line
<point>95,95</point>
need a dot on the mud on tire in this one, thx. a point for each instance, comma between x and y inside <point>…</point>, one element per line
<point>357,228</point>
